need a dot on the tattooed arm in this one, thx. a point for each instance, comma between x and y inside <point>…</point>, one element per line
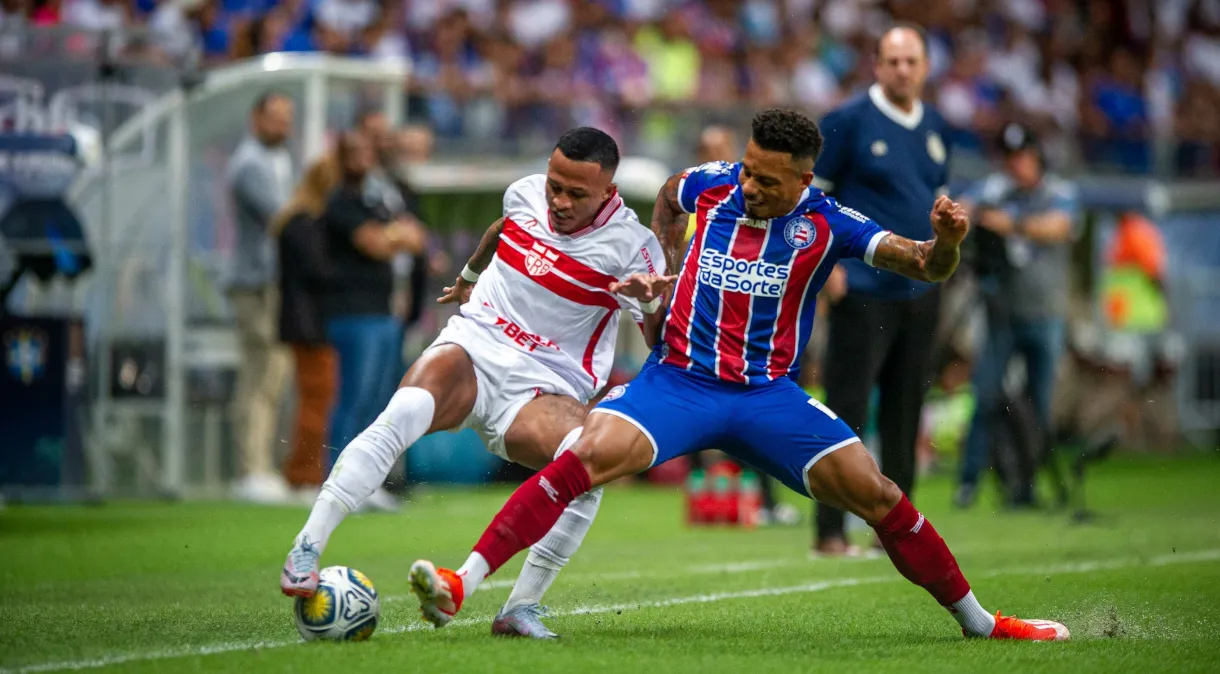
<point>669,223</point>
<point>460,290</point>
<point>933,260</point>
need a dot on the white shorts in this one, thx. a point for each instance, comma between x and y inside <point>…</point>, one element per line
<point>508,379</point>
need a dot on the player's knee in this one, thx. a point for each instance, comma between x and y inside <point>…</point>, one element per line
<point>408,405</point>
<point>603,454</point>
<point>590,457</point>
<point>877,498</point>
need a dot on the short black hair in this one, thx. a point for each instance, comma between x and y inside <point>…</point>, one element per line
<point>585,143</point>
<point>784,130</point>
<point>919,31</point>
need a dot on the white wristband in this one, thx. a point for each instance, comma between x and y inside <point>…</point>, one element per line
<point>469,274</point>
<point>651,307</point>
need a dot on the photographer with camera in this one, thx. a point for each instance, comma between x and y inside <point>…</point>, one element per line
<point>1025,222</point>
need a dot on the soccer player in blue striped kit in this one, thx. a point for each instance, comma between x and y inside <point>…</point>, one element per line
<point>723,373</point>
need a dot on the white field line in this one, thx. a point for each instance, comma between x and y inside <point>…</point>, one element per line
<point>708,569</point>
<point>233,647</point>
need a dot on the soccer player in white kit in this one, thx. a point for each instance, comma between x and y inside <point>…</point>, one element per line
<point>532,343</point>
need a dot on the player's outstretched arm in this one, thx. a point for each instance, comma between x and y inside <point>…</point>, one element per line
<point>460,290</point>
<point>669,223</point>
<point>652,292</point>
<point>933,260</point>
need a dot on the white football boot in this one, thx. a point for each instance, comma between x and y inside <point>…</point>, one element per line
<point>300,575</point>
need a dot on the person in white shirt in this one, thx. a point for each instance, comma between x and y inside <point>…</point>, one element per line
<point>533,342</point>
<point>96,14</point>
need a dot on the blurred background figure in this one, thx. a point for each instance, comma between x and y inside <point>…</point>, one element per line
<point>1135,302</point>
<point>885,156</point>
<point>362,239</point>
<point>717,143</point>
<point>305,275</point>
<point>1026,223</point>
<point>260,177</point>
<point>413,146</point>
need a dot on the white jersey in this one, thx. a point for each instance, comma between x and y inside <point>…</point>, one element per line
<point>547,293</point>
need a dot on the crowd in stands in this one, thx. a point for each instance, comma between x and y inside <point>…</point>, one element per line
<point>1100,79</point>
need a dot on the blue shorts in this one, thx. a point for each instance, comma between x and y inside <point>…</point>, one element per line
<point>775,427</point>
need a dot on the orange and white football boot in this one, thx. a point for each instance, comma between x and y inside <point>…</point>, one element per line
<point>439,590</point>
<point>1012,627</point>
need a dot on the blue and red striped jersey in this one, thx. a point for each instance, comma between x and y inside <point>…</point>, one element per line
<point>743,306</point>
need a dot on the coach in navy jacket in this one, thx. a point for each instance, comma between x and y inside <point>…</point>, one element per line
<point>885,156</point>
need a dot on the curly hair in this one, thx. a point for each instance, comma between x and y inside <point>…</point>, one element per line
<point>783,130</point>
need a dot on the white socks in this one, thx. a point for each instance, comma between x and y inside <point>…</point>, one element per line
<point>548,555</point>
<point>472,573</point>
<point>972,616</point>
<point>552,553</point>
<point>366,461</point>
<point>325,516</point>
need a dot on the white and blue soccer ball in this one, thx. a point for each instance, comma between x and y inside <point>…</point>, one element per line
<point>345,607</point>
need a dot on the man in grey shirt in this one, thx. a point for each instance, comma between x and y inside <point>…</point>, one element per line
<point>1027,221</point>
<point>260,177</point>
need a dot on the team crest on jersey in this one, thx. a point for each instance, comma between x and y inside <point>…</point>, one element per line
<point>799,233</point>
<point>615,393</point>
<point>879,148</point>
<point>936,148</point>
<point>716,168</point>
<point>540,260</point>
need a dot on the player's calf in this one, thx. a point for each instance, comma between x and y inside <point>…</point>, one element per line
<point>849,478</point>
<point>362,468</point>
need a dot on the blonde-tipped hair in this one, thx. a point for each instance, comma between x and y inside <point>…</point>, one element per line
<point>310,196</point>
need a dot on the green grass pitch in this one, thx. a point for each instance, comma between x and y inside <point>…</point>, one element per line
<point>193,587</point>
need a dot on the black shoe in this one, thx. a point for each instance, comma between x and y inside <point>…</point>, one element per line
<point>964,498</point>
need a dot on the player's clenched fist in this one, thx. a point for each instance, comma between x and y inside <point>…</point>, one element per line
<point>949,220</point>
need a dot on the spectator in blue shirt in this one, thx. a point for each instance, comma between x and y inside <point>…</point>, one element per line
<point>885,155</point>
<point>1118,116</point>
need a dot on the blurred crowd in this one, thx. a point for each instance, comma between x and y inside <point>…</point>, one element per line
<point>1100,80</point>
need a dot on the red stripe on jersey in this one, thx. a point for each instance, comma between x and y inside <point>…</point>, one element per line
<point>676,335</point>
<point>735,309</point>
<point>592,348</point>
<point>555,283</point>
<point>787,320</point>
<point>563,262</point>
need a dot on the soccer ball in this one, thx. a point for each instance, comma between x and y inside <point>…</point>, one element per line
<point>345,607</point>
